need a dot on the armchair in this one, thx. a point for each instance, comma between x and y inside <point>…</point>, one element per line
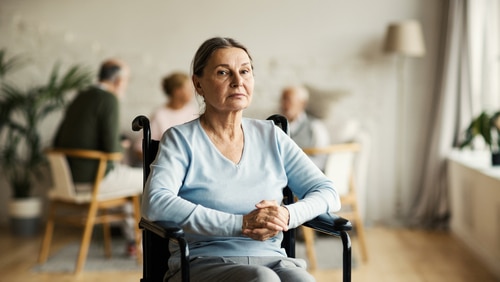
<point>341,167</point>
<point>89,207</point>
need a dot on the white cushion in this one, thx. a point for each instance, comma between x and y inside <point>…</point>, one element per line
<point>322,101</point>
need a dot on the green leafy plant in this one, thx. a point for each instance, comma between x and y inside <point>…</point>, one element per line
<point>22,111</point>
<point>486,125</point>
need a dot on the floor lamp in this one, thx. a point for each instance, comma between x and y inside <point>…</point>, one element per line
<point>404,39</point>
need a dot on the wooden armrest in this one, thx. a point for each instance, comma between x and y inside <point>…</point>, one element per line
<point>88,154</point>
<point>164,229</point>
<point>329,223</point>
<point>335,148</point>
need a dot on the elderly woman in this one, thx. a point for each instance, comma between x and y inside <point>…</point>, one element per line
<point>221,177</point>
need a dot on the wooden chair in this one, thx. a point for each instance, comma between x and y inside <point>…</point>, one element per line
<point>156,235</point>
<point>340,167</point>
<point>86,208</point>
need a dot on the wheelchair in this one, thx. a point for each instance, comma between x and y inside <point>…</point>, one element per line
<point>156,235</point>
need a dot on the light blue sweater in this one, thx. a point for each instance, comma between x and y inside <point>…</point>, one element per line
<point>193,184</point>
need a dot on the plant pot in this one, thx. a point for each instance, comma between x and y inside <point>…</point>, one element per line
<point>25,216</point>
<point>495,159</point>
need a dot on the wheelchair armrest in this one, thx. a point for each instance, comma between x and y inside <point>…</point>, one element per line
<point>164,229</point>
<point>157,261</point>
<point>329,223</point>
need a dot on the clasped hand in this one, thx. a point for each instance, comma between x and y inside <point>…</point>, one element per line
<point>266,221</point>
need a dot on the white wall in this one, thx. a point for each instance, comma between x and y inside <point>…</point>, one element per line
<point>331,44</point>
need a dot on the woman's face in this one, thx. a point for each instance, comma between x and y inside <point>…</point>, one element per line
<point>227,82</point>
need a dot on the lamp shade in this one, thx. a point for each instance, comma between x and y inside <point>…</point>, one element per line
<point>405,38</point>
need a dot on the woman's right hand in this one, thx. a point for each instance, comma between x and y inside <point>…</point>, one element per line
<point>266,221</point>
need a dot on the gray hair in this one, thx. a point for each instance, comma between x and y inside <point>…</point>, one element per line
<point>301,92</point>
<point>208,47</point>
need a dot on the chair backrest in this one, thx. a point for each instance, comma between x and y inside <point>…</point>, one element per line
<point>62,179</point>
<point>340,164</point>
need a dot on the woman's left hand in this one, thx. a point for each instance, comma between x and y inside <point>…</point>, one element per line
<point>266,221</point>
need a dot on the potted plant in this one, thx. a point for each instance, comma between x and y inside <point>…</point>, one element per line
<point>486,125</point>
<point>21,112</point>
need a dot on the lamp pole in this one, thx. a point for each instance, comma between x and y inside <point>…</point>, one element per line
<point>405,39</point>
<point>400,140</point>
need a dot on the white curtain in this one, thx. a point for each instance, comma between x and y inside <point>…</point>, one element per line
<point>484,55</point>
<point>467,83</point>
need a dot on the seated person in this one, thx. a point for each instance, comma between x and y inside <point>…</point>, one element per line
<point>305,130</point>
<point>221,178</point>
<point>178,109</point>
<point>91,122</point>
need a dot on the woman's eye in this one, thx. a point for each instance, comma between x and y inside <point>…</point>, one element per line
<point>222,72</point>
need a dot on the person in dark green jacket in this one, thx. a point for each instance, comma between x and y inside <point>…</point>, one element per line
<point>91,122</point>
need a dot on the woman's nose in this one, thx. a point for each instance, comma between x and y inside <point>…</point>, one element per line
<point>237,81</point>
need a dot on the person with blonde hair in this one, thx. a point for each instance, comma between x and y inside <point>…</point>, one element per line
<point>178,109</point>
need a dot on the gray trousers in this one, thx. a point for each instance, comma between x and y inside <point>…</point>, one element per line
<point>245,269</point>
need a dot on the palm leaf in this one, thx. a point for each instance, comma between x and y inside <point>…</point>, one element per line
<point>75,77</point>
<point>55,95</point>
<point>9,65</point>
<point>11,101</point>
<point>53,77</point>
<point>484,127</point>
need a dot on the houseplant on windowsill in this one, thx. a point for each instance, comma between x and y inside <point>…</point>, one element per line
<point>21,113</point>
<point>487,125</point>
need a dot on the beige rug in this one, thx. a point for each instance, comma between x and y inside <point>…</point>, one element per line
<point>64,260</point>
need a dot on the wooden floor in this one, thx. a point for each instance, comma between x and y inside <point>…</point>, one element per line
<point>395,255</point>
